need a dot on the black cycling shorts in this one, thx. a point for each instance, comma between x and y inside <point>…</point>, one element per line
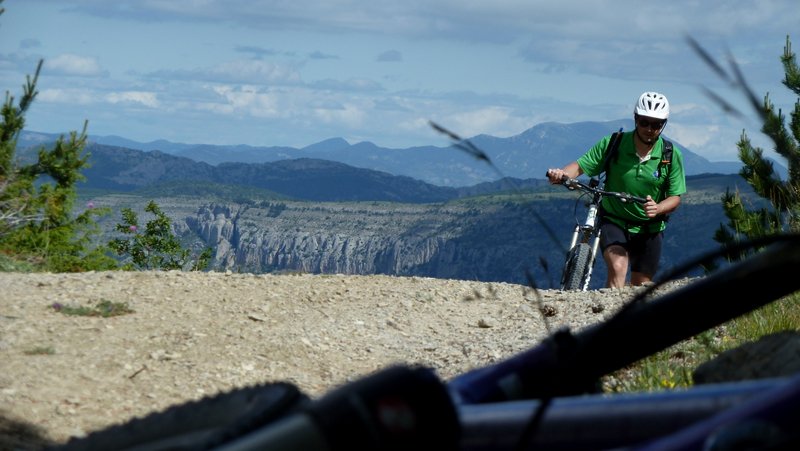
<point>644,249</point>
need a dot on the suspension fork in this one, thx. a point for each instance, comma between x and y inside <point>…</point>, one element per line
<point>583,232</point>
<point>591,225</point>
<point>591,232</point>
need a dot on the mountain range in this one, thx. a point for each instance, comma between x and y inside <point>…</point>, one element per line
<point>523,156</point>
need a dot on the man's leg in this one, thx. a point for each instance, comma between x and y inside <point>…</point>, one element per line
<point>616,258</point>
<point>613,240</point>
<point>645,256</point>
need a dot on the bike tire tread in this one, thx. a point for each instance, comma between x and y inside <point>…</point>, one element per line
<point>577,267</point>
<point>197,425</point>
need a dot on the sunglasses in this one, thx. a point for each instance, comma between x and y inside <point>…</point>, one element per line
<point>651,124</point>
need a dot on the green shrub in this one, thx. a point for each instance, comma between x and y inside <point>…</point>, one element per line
<point>103,309</point>
<point>40,350</point>
<point>154,247</point>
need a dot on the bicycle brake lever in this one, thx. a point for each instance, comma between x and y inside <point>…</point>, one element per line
<point>625,197</point>
<point>569,183</point>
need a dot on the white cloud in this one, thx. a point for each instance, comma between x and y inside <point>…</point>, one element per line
<point>148,99</point>
<point>68,96</point>
<point>244,100</point>
<point>70,64</point>
<point>494,120</point>
<point>84,96</point>
<point>348,114</point>
<point>352,84</point>
<point>692,136</point>
<point>293,103</point>
<point>256,71</point>
<point>237,71</point>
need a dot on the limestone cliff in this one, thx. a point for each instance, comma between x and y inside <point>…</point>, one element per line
<point>434,240</point>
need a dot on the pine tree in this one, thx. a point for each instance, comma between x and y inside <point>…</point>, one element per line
<point>37,199</point>
<point>782,212</point>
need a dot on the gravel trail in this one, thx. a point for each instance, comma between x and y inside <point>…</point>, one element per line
<point>195,334</point>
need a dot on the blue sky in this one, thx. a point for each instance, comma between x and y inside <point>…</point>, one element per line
<point>276,72</point>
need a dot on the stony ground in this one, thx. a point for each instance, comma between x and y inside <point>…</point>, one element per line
<point>192,335</point>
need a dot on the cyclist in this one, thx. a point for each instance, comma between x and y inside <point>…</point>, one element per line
<point>631,233</point>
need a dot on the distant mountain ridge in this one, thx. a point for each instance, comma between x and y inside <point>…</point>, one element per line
<point>523,156</point>
<point>316,210</point>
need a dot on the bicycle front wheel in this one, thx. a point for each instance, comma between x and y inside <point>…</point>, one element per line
<point>197,425</point>
<point>576,270</point>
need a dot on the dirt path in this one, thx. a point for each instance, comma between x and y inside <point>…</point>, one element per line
<point>194,334</point>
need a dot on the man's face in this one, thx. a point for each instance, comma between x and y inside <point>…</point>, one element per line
<point>649,128</point>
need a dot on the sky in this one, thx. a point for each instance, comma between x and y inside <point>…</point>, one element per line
<point>296,72</point>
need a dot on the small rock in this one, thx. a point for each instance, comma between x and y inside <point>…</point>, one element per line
<point>164,355</point>
<point>549,310</point>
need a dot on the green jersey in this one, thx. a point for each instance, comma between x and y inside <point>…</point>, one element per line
<point>626,173</point>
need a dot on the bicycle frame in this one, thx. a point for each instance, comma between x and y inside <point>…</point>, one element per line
<point>582,251</point>
<point>586,233</point>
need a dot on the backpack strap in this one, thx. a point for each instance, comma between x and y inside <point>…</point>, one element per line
<point>666,154</point>
<point>611,150</point>
<point>666,163</point>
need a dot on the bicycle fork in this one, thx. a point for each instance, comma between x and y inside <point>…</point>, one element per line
<point>592,216</point>
<point>588,233</point>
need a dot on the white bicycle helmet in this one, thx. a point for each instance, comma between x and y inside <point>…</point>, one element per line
<point>652,104</point>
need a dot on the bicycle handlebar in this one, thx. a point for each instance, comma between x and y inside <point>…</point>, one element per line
<point>624,197</point>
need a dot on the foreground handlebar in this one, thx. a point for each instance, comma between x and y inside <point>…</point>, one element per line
<point>568,364</point>
<point>395,409</point>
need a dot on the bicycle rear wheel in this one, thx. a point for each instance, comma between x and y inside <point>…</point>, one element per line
<point>197,425</point>
<point>576,269</point>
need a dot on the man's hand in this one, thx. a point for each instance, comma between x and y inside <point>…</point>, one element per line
<point>556,176</point>
<point>570,171</point>
<point>651,208</point>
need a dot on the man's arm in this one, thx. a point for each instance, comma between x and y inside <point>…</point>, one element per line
<point>665,207</point>
<point>572,170</point>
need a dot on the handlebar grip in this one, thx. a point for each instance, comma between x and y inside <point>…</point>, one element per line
<point>397,408</point>
<point>564,178</point>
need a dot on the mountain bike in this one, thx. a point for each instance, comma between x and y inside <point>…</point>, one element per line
<point>582,251</point>
<point>546,397</point>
